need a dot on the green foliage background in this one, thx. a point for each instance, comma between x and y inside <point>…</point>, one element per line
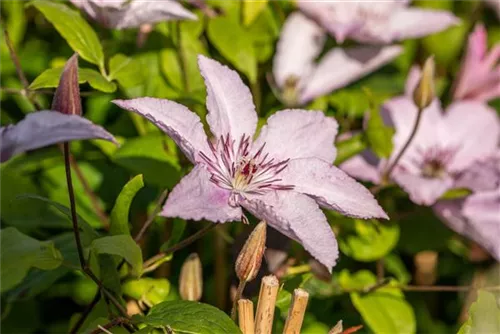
<point>42,288</point>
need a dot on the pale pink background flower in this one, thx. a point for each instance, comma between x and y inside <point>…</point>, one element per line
<point>495,5</point>
<point>479,77</point>
<point>44,128</point>
<point>122,14</point>
<point>376,21</point>
<point>446,144</point>
<point>478,215</point>
<point>284,176</point>
<point>301,79</point>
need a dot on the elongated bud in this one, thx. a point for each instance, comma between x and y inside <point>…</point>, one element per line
<point>67,97</point>
<point>191,279</point>
<point>425,91</point>
<point>250,257</point>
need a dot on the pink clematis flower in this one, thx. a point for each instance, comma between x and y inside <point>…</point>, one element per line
<point>478,215</point>
<point>444,145</point>
<point>44,128</point>
<point>300,79</point>
<point>479,77</point>
<point>283,177</point>
<point>379,22</point>
<point>122,14</point>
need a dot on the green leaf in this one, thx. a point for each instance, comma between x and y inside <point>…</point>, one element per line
<point>154,156</point>
<point>178,227</point>
<point>378,135</point>
<point>123,246</point>
<point>484,315</point>
<point>20,252</point>
<point>385,310</point>
<point>234,43</point>
<point>125,70</point>
<point>74,29</point>
<point>151,290</point>
<point>119,214</point>
<point>50,79</point>
<point>370,241</point>
<point>456,193</point>
<point>184,316</point>
<point>446,45</point>
<point>348,148</point>
<point>252,9</point>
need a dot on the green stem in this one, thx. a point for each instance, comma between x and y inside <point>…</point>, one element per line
<point>389,170</point>
<point>239,293</point>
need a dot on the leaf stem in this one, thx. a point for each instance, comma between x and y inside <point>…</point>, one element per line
<point>153,215</point>
<point>239,293</point>
<point>388,171</point>
<point>178,246</point>
<point>86,313</point>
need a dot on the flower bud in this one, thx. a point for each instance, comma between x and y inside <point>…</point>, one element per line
<point>191,279</point>
<point>425,90</point>
<point>67,97</point>
<point>250,257</point>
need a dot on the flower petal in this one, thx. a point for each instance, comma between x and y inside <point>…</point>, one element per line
<point>332,188</point>
<point>298,217</point>
<point>482,175</point>
<point>45,128</point>
<point>122,14</point>
<point>422,190</point>
<point>295,133</point>
<point>339,67</point>
<point>407,23</point>
<point>196,197</point>
<point>177,121</point>
<point>301,41</point>
<point>229,101</point>
<point>364,166</point>
<point>474,129</point>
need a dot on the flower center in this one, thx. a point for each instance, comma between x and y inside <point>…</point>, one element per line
<point>435,160</point>
<point>235,168</point>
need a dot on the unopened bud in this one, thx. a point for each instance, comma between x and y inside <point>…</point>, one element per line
<point>67,97</point>
<point>425,90</point>
<point>250,257</point>
<point>191,279</point>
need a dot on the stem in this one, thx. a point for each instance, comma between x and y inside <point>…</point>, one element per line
<point>76,231</point>
<point>19,70</point>
<point>86,313</point>
<point>90,193</point>
<point>74,219</point>
<point>239,293</point>
<point>178,246</point>
<point>380,269</point>
<point>182,59</point>
<point>389,170</point>
<point>153,215</point>
<point>111,324</point>
<point>220,270</point>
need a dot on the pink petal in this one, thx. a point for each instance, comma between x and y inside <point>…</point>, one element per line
<point>196,197</point>
<point>482,175</point>
<point>364,166</point>
<point>408,23</point>
<point>45,128</point>
<point>298,217</point>
<point>229,101</point>
<point>177,121</point>
<point>474,129</point>
<point>301,41</point>
<point>120,14</point>
<point>332,188</point>
<point>295,133</point>
<point>477,217</point>
<point>339,67</point>
<point>422,190</point>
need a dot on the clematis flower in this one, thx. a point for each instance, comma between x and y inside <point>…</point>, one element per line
<point>283,177</point>
<point>123,14</point>
<point>479,77</point>
<point>444,145</point>
<point>380,22</point>
<point>300,79</point>
<point>478,215</point>
<point>44,128</point>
